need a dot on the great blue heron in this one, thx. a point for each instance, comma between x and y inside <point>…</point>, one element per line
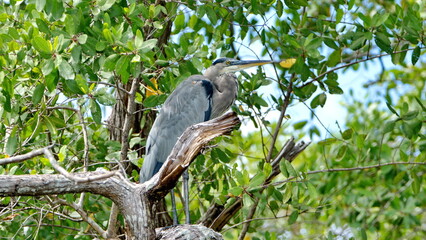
<point>197,99</point>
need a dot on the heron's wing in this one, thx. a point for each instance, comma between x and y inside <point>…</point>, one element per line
<point>190,103</point>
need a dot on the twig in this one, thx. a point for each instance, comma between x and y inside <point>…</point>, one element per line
<point>84,215</point>
<point>259,219</point>
<point>112,222</point>
<point>282,115</point>
<point>347,169</point>
<point>86,152</point>
<point>66,174</point>
<point>350,64</point>
<point>110,85</point>
<point>23,157</point>
<point>289,152</point>
<point>128,121</point>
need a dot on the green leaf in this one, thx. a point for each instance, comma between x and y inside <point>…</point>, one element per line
<point>70,24</point>
<point>122,66</point>
<point>415,55</point>
<point>82,84</point>
<point>51,80</point>
<point>319,100</point>
<point>104,97</point>
<point>105,4</point>
<point>339,15</point>
<point>138,39</point>
<point>12,143</point>
<point>389,126</point>
<point>279,8</point>
<point>407,130</point>
<point>347,134</point>
<point>223,157</point>
<point>299,125</point>
<point>312,191</point>
<point>42,45</point>
<point>290,168</point>
<point>50,126</point>
<point>148,45</point>
<point>416,183</point>
<point>108,36</point>
<point>72,87</point>
<point>383,42</point>
<point>179,22</point>
<point>327,141</point>
<point>334,58</point>
<point>421,104</point>
<point>342,151</point>
<point>257,180</point>
<point>96,111</point>
<point>110,62</point>
<point>330,43</point>
<point>303,3</point>
<point>365,19</point>
<point>59,123</point>
<point>293,217</point>
<point>283,168</point>
<point>66,71</point>
<point>358,43</point>
<point>47,67</point>
<point>82,39</point>
<point>38,94</point>
<point>379,19</point>
<point>42,26</point>
<point>409,115</point>
<point>235,191</point>
<point>258,101</point>
<point>211,14</point>
<point>392,109</point>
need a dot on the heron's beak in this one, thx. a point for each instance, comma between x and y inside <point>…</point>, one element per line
<point>239,65</point>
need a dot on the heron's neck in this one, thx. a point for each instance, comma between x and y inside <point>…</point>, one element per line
<point>225,82</point>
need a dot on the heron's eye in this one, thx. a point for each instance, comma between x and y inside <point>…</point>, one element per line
<point>228,62</point>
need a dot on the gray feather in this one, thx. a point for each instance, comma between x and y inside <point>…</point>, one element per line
<point>190,103</point>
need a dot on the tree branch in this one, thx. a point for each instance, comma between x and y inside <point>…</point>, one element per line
<point>128,121</point>
<point>70,176</point>
<point>350,64</point>
<point>47,184</point>
<point>24,157</point>
<point>348,169</point>
<point>187,148</point>
<point>289,151</point>
<point>282,115</point>
<point>84,215</point>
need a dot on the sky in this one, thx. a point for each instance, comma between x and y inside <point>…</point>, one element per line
<point>333,110</point>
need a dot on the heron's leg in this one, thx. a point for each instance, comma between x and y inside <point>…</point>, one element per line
<point>186,196</point>
<point>174,212</point>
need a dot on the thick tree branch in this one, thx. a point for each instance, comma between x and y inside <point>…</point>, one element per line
<point>186,231</point>
<point>187,148</point>
<point>137,202</point>
<point>47,184</point>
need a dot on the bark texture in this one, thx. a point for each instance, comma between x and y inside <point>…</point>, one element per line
<point>136,202</point>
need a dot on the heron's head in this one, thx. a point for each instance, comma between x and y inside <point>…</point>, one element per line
<point>229,65</point>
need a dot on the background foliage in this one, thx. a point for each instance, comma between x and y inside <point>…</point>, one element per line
<point>65,63</point>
